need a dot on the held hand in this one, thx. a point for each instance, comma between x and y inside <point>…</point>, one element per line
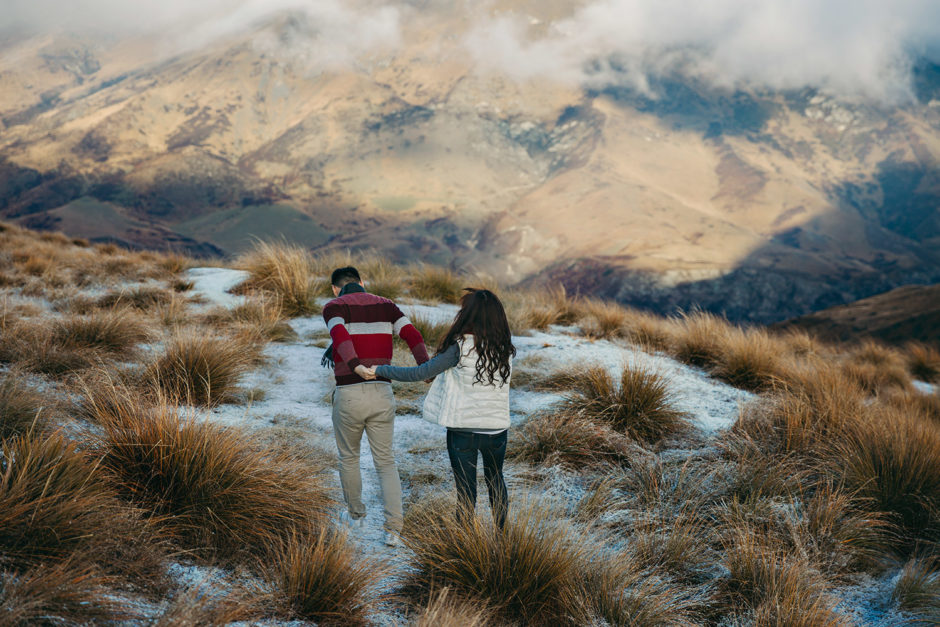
<point>366,373</point>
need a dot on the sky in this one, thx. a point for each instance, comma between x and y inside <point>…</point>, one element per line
<point>862,49</point>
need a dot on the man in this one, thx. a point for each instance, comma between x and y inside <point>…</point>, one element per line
<point>361,326</point>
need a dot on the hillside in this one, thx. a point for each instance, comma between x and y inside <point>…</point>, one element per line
<point>168,458</point>
<point>904,314</point>
<point>763,204</point>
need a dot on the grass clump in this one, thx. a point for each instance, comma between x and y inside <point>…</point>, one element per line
<point>537,310</point>
<point>52,500</point>
<point>320,577</point>
<point>602,319</point>
<point>22,407</point>
<point>200,368</point>
<point>918,589</point>
<point>877,367</point>
<point>61,593</point>
<point>212,489</point>
<point>141,298</point>
<point>571,441</point>
<point>433,283</point>
<point>444,609</point>
<point>892,461</point>
<point>256,317</point>
<point>640,405</point>
<point>115,333</point>
<point>530,573</point>
<point>773,587</point>
<point>287,272</point>
<point>432,332</point>
<point>923,362</point>
<point>700,338</point>
<point>749,360</point>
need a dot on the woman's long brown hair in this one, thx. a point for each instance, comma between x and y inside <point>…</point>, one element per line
<point>483,315</point>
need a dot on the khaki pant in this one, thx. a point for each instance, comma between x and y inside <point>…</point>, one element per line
<point>368,407</point>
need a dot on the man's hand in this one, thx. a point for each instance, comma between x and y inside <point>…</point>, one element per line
<point>366,373</point>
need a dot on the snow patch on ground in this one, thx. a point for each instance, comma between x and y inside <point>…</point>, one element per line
<point>213,284</point>
<point>925,388</point>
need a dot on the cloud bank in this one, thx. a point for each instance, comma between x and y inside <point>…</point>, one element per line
<point>853,48</point>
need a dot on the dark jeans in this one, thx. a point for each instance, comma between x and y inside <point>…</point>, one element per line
<point>463,447</point>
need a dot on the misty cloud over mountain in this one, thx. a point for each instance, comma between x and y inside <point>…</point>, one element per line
<point>851,48</point>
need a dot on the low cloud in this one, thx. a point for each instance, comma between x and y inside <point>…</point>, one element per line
<point>853,48</point>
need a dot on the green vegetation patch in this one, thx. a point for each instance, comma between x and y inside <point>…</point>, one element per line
<point>235,230</point>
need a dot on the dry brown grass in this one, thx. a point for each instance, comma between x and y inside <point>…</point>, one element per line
<point>602,319</point>
<point>199,368</point>
<point>530,573</point>
<point>649,331</point>
<point>53,504</point>
<point>320,576</point>
<point>142,298</point>
<point>116,333</point>
<point>432,332</point>
<point>285,271</point>
<point>259,317</point>
<point>214,491</point>
<point>434,284</point>
<point>23,408</point>
<point>892,461</point>
<point>877,367</point>
<point>750,359</point>
<point>61,593</point>
<point>640,405</point>
<point>700,338</point>
<point>918,589</point>
<point>569,440</point>
<point>446,610</point>
<point>538,309</point>
<point>32,346</point>
<point>923,361</point>
<point>622,595</point>
<point>201,604</point>
<point>778,589</point>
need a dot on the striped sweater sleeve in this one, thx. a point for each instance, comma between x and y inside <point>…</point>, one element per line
<point>336,315</point>
<point>403,328</point>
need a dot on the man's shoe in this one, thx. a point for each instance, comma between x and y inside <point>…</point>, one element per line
<point>392,539</point>
<point>354,524</point>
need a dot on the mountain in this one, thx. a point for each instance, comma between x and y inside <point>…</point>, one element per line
<point>907,313</point>
<point>761,204</point>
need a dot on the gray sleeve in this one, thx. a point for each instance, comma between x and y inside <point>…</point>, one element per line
<point>428,370</point>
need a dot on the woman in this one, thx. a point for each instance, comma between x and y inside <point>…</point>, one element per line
<point>471,397</point>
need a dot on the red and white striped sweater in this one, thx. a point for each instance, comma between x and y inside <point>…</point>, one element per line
<point>362,325</point>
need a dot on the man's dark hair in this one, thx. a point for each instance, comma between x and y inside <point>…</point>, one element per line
<point>342,276</point>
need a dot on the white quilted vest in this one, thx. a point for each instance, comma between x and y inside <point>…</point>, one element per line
<point>453,399</point>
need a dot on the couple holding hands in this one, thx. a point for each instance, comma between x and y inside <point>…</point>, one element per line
<point>469,395</point>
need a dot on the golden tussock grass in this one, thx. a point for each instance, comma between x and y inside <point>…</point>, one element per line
<point>445,609</point>
<point>199,604</point>
<point>749,359</point>
<point>23,408</point>
<point>287,272</point>
<point>529,573</point>
<point>258,316</point>
<point>142,298</point>
<point>435,284</point>
<point>639,405</point>
<point>116,333</point>
<point>918,589</point>
<point>700,338</point>
<point>877,367</point>
<point>569,440</point>
<point>621,594</point>
<point>199,368</point>
<point>676,543</point>
<point>891,460</point>
<point>602,319</point>
<point>923,361</point>
<point>537,310</point>
<point>214,491</point>
<point>32,346</point>
<point>320,576</point>
<point>55,505</point>
<point>62,593</point>
<point>777,588</point>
